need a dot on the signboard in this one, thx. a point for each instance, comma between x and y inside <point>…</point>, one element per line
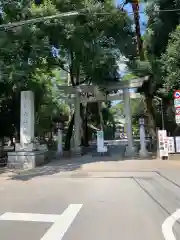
<point>177,144</point>
<point>177,105</point>
<point>177,94</point>
<point>177,102</point>
<point>163,143</point>
<point>177,110</point>
<point>177,117</point>
<point>171,146</point>
<point>100,141</point>
<point>166,152</point>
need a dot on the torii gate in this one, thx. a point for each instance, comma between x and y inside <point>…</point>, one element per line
<point>124,94</point>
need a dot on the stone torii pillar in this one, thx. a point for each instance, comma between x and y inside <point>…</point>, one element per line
<point>130,151</point>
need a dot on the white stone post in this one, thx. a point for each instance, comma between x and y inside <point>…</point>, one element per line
<point>27,118</point>
<point>77,124</point>
<point>143,151</point>
<point>130,151</point>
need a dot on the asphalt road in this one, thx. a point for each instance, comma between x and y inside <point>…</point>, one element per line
<point>129,207</point>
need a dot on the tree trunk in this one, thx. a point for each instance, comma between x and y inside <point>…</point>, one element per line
<point>74,79</point>
<point>135,7</point>
<point>85,131</point>
<point>114,129</point>
<point>67,144</point>
<point>85,138</point>
<point>100,116</point>
<point>85,141</point>
<point>150,113</point>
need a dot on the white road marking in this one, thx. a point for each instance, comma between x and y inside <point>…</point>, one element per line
<point>61,222</point>
<point>59,228</point>
<point>168,225</point>
<point>29,217</point>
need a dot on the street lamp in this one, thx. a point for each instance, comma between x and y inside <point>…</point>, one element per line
<point>162,114</point>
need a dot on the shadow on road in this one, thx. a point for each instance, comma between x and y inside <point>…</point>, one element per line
<point>61,166</point>
<point>116,154</point>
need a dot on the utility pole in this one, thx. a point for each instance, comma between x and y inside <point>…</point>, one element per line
<point>135,8</point>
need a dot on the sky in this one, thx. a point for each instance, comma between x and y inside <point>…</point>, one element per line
<point>143,17</point>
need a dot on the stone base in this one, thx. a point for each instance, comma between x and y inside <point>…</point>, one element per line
<point>27,159</point>
<point>58,154</point>
<point>26,147</point>
<point>76,152</point>
<point>101,154</point>
<point>130,152</point>
<point>143,153</point>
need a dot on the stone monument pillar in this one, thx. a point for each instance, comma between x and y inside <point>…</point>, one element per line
<point>27,154</point>
<point>130,151</point>
<point>27,119</point>
<point>143,151</point>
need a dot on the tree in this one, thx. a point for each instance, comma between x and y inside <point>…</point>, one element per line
<point>23,66</point>
<point>51,107</point>
<point>170,62</point>
<point>160,25</point>
<point>171,74</point>
<point>89,43</point>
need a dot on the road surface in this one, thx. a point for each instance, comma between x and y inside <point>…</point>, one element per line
<point>128,206</point>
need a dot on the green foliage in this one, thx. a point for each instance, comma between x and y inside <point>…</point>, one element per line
<point>50,110</point>
<point>23,66</point>
<point>137,108</point>
<point>128,76</point>
<point>160,24</point>
<point>171,62</point>
<point>89,45</point>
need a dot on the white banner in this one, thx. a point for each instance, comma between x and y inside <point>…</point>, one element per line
<point>163,143</point>
<point>100,141</point>
<point>177,144</point>
<point>171,146</point>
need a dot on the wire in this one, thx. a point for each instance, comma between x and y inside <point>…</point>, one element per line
<point>60,15</point>
<point>37,20</point>
<point>73,13</point>
<point>154,10</point>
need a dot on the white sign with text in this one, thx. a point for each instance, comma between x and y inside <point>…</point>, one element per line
<point>100,141</point>
<point>171,145</point>
<point>163,143</point>
<point>177,144</point>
